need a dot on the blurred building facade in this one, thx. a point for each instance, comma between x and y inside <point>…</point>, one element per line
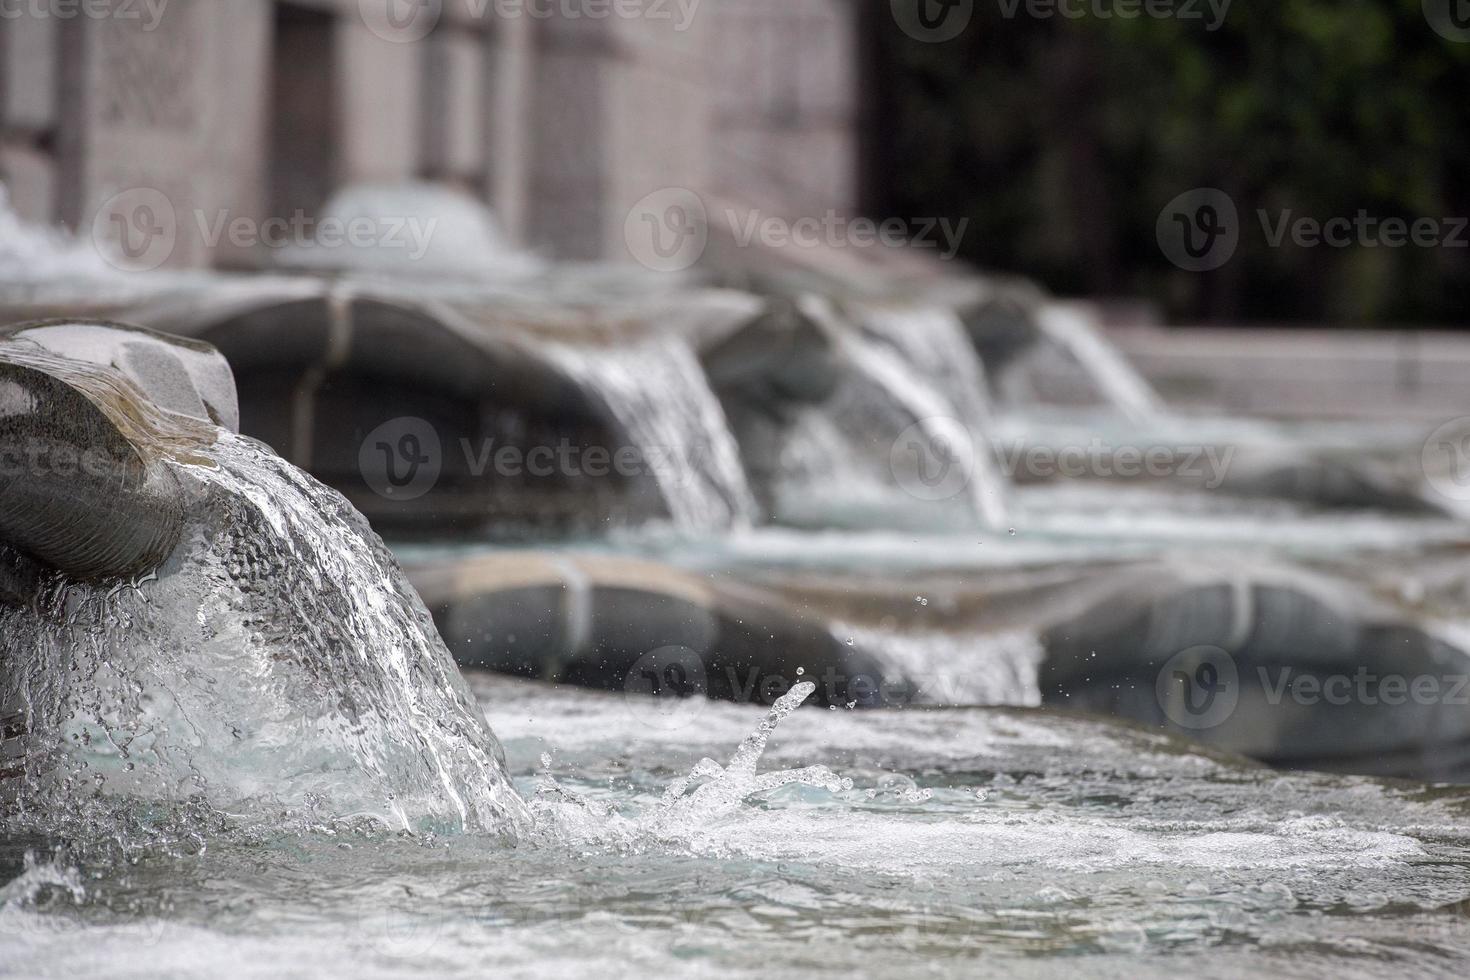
<point>559,121</point>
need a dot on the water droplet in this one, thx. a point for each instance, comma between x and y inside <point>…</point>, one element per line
<point>1013,532</point>
<point>921,600</point>
<point>800,671</point>
<point>850,641</point>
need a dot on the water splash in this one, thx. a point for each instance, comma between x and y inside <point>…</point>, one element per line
<point>277,664</point>
<point>41,879</point>
<point>656,389</point>
<point>690,805</point>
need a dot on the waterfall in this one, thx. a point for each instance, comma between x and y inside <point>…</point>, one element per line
<point>1117,380</point>
<point>278,662</point>
<point>657,390</point>
<point>905,437</point>
<point>938,376</point>
<point>964,667</point>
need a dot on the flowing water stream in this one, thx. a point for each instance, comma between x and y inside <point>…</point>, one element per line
<point>280,662</point>
<point>263,761</point>
<point>658,392</point>
<point>906,437</point>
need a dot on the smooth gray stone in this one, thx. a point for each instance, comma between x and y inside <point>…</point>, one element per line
<point>324,364</point>
<point>784,356</point>
<point>1272,641</point>
<point>89,412</point>
<point>183,376</point>
<point>1331,484</point>
<point>597,622</point>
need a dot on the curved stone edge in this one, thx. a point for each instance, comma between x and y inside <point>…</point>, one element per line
<point>590,620</point>
<point>1267,641</point>
<point>90,411</point>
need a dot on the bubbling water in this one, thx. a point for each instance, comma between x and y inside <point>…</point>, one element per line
<point>691,805</point>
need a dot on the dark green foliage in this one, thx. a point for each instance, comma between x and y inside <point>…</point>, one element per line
<point>1062,139</point>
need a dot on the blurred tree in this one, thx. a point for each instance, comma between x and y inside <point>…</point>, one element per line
<point>1062,139</point>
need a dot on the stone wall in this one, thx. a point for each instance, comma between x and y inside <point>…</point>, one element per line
<point>561,124</point>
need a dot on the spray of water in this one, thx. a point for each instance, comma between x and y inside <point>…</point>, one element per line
<point>691,805</point>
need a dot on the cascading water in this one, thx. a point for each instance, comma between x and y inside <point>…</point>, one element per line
<point>938,359</point>
<point>957,668</point>
<point>911,409</point>
<point>656,389</point>
<point>278,661</point>
<point>1116,379</point>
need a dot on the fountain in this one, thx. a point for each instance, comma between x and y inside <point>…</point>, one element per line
<point>233,735</point>
<point>201,621</point>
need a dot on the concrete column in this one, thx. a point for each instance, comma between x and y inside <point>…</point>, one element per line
<point>620,111</point>
<point>510,73</point>
<point>381,103</point>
